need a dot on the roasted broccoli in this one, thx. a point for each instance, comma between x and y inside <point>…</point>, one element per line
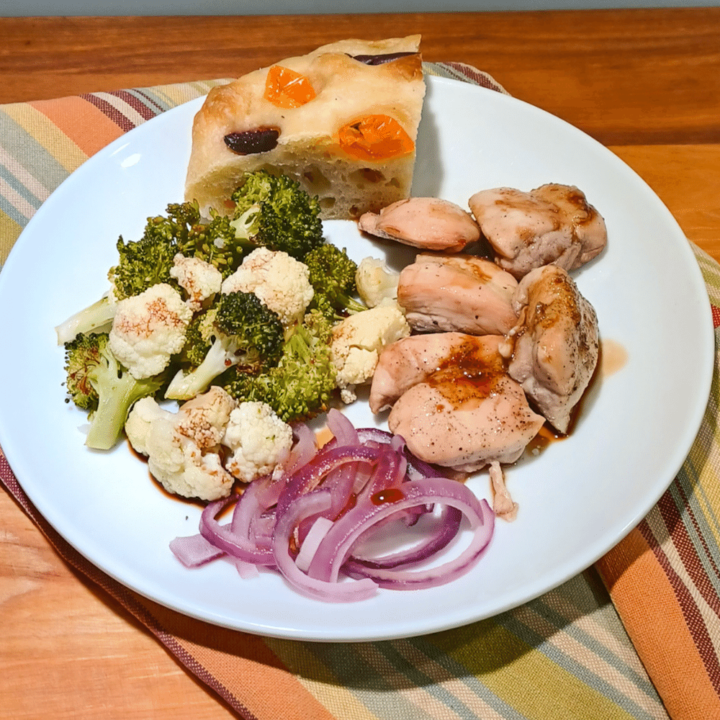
<point>148,261</point>
<point>81,355</point>
<point>243,332</point>
<point>332,275</point>
<point>272,212</point>
<point>301,385</point>
<point>97,382</point>
<point>95,318</point>
<point>275,212</point>
<point>199,338</point>
<point>216,243</point>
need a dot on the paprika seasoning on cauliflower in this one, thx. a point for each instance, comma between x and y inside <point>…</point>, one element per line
<point>280,281</point>
<point>200,280</point>
<point>183,448</point>
<point>148,329</point>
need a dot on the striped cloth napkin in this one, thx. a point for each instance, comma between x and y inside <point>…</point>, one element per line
<point>636,636</point>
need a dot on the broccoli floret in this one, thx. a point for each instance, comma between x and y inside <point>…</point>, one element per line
<point>148,261</point>
<point>332,275</point>
<point>275,212</point>
<point>181,217</point>
<point>244,332</point>
<point>252,326</point>
<point>302,384</point>
<point>143,263</point>
<point>216,243</point>
<point>81,355</point>
<point>199,338</point>
<point>97,382</point>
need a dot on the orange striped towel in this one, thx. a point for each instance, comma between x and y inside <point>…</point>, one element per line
<point>569,655</point>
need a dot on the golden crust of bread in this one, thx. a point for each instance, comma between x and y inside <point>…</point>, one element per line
<point>347,90</point>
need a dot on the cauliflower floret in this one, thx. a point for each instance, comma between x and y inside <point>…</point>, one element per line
<point>358,341</point>
<point>278,279</point>
<point>376,282</point>
<point>259,439</point>
<point>148,329</point>
<point>139,423</point>
<point>199,279</point>
<point>204,419</point>
<point>183,447</point>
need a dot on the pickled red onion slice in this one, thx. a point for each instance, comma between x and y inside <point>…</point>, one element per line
<point>310,520</point>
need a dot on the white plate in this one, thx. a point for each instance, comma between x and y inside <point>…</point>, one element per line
<point>577,499</point>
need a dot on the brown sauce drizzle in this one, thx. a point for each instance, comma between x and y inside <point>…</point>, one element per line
<point>469,374</point>
<point>135,453</point>
<point>171,496</point>
<point>613,357</point>
<point>546,437</point>
<point>196,502</point>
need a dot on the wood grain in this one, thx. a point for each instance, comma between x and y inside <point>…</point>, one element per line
<point>69,652</point>
<point>624,77</point>
<point>644,82</point>
<point>687,180</point>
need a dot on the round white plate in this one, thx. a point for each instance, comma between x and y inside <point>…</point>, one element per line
<point>577,498</point>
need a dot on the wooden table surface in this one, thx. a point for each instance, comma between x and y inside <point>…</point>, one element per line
<point>646,83</point>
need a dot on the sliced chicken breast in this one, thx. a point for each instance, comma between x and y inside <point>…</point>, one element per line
<point>551,224</point>
<point>452,400</point>
<point>554,348</point>
<point>465,421</point>
<point>464,293</point>
<point>413,359</point>
<point>427,223</point>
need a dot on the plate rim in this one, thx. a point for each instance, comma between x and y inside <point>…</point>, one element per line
<point>652,499</point>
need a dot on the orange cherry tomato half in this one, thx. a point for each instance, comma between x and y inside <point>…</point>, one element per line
<point>286,88</point>
<point>375,137</point>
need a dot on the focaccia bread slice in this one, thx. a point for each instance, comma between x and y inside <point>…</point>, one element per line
<point>341,120</point>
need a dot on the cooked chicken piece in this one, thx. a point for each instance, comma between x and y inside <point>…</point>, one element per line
<point>453,425</point>
<point>503,504</point>
<point>457,292</point>
<point>426,223</point>
<point>551,224</point>
<point>456,405</point>
<point>412,360</point>
<point>465,421</point>
<point>554,346</point>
